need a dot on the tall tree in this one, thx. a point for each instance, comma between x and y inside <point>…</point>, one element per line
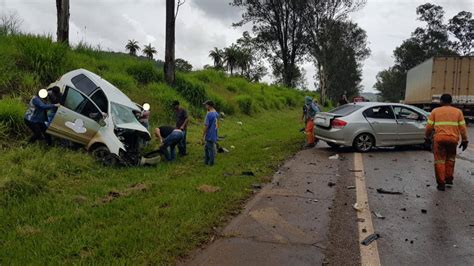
<point>217,56</point>
<point>62,9</point>
<point>132,47</point>
<point>183,65</point>
<point>231,57</point>
<point>171,15</point>
<point>321,18</point>
<point>149,51</point>
<point>279,29</point>
<point>461,26</point>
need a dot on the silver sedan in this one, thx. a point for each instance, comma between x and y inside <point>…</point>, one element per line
<point>369,124</point>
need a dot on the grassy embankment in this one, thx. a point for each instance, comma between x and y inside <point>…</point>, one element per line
<point>59,206</point>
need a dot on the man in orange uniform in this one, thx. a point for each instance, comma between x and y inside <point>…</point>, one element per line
<point>448,123</point>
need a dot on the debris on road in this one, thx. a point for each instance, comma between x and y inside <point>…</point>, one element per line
<point>370,239</point>
<point>331,184</point>
<point>357,207</point>
<point>309,191</point>
<point>350,187</point>
<point>256,186</point>
<point>378,215</point>
<point>334,157</point>
<point>424,211</point>
<point>383,191</point>
<point>355,170</point>
<point>208,189</point>
<point>403,209</point>
<point>248,173</point>
<point>364,230</point>
<point>360,220</point>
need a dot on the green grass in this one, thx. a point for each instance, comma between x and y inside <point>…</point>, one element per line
<point>51,199</point>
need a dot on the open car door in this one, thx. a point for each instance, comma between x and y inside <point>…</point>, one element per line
<point>77,119</point>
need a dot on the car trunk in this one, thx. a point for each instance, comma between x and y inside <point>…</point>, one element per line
<point>324,120</point>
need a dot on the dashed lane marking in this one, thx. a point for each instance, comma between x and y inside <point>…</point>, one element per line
<point>369,254</point>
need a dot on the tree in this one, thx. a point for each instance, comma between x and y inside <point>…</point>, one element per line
<point>322,18</point>
<point>280,35</point>
<point>149,51</point>
<point>62,9</point>
<point>171,15</point>
<point>10,23</point>
<point>217,56</point>
<point>230,58</point>
<point>132,47</point>
<point>461,26</point>
<point>391,84</point>
<point>183,65</point>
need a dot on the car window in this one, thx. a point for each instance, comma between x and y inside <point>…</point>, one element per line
<point>379,112</point>
<point>84,84</point>
<point>405,113</point>
<point>73,99</point>
<point>100,100</point>
<point>78,103</point>
<point>345,110</point>
<point>122,114</point>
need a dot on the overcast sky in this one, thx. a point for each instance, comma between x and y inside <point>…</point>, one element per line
<point>204,24</point>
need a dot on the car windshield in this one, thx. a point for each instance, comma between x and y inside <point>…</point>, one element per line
<point>122,114</point>
<point>420,110</point>
<point>345,110</point>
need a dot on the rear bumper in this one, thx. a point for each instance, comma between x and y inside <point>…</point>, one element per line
<point>336,136</point>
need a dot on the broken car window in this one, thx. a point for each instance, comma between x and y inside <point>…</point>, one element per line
<point>122,114</point>
<point>379,112</point>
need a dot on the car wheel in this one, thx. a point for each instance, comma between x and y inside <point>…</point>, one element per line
<point>103,155</point>
<point>333,145</point>
<point>364,142</point>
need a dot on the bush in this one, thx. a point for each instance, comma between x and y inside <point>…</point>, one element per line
<point>11,116</point>
<point>122,81</point>
<point>192,90</point>
<point>232,88</point>
<point>41,56</point>
<point>245,103</point>
<point>144,73</point>
<point>222,105</point>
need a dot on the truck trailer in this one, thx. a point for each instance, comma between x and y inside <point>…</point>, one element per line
<point>438,75</point>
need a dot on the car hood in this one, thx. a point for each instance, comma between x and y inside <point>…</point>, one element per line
<point>133,126</point>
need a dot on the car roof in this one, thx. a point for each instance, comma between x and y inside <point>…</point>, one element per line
<point>112,93</point>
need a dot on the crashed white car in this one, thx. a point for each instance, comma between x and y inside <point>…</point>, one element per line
<point>99,116</point>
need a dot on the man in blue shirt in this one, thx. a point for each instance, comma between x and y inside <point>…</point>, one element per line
<point>210,133</point>
<point>36,117</point>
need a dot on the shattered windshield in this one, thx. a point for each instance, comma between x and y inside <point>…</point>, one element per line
<point>122,114</point>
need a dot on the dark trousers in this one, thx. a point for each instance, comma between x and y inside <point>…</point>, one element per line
<point>39,132</point>
<point>182,144</point>
<point>209,152</point>
<point>169,145</point>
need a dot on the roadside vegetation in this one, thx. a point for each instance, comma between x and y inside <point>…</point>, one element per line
<point>59,206</point>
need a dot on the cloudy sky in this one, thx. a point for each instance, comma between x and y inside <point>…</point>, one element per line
<point>204,24</point>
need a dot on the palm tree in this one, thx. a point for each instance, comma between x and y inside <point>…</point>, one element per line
<point>217,56</point>
<point>244,60</point>
<point>230,58</point>
<point>149,51</point>
<point>132,47</point>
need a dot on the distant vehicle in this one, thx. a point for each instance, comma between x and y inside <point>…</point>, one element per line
<point>96,114</point>
<point>429,80</point>
<point>366,125</point>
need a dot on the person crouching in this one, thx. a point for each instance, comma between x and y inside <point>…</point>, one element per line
<point>169,138</point>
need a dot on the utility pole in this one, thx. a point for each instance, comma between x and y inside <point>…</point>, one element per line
<point>62,9</point>
<point>169,67</point>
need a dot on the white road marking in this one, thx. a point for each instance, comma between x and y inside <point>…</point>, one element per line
<point>369,254</point>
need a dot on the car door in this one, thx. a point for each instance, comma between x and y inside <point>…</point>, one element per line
<point>77,119</point>
<point>383,123</point>
<point>411,125</point>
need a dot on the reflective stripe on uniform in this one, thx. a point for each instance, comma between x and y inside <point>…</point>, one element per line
<point>440,162</point>
<point>447,123</point>
<point>462,123</point>
<point>430,122</point>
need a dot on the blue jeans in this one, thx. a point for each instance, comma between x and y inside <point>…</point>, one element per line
<point>170,142</point>
<point>209,152</point>
<point>182,144</point>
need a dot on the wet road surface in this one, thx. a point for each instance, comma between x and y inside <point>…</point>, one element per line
<point>306,215</point>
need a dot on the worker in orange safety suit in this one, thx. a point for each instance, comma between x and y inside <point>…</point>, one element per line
<point>448,123</point>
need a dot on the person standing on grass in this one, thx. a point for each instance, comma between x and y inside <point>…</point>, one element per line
<point>169,137</point>
<point>182,120</point>
<point>309,111</point>
<point>36,117</point>
<point>209,135</point>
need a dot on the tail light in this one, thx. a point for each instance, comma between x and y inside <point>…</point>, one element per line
<point>337,123</point>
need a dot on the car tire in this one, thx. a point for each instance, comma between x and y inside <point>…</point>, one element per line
<point>103,155</point>
<point>364,142</point>
<point>333,145</point>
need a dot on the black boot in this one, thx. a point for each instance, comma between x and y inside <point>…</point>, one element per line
<point>441,187</point>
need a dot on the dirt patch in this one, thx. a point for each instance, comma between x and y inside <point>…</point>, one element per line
<point>208,189</point>
<point>27,230</point>
<point>115,194</point>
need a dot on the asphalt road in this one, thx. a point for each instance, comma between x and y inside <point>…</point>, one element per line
<point>306,215</point>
